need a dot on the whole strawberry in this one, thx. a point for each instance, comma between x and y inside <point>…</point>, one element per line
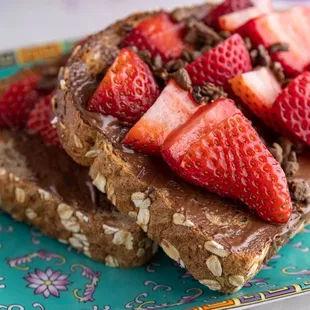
<point>127,91</point>
<point>18,100</point>
<point>39,120</point>
<point>223,62</point>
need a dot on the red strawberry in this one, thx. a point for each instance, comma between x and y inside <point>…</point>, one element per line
<point>282,27</point>
<point>18,100</point>
<point>128,89</point>
<point>205,118</point>
<point>228,6</point>
<point>292,108</point>
<point>288,113</point>
<point>173,108</point>
<point>258,90</point>
<point>39,120</point>
<point>230,160</point>
<point>159,35</point>
<point>232,21</point>
<point>223,62</point>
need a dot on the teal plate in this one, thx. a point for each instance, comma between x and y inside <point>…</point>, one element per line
<point>37,272</point>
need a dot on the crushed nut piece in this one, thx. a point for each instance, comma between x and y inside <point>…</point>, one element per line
<point>20,195</point>
<point>299,189</point>
<point>170,250</point>
<point>182,78</point>
<point>279,47</point>
<point>30,214</point>
<point>100,182</point>
<point>277,152</point>
<point>216,248</point>
<point>211,284</point>
<point>108,230</point>
<point>236,280</point>
<point>64,211</point>
<point>111,261</point>
<point>214,265</point>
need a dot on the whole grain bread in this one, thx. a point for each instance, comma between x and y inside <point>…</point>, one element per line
<point>43,186</point>
<point>219,241</point>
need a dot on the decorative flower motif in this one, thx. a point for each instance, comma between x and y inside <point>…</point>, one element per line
<point>48,282</point>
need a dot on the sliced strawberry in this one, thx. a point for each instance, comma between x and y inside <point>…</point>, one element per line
<point>292,108</point>
<point>39,120</point>
<point>18,100</point>
<point>281,28</point>
<point>258,90</point>
<point>159,35</point>
<point>202,121</point>
<point>173,108</point>
<point>128,89</point>
<point>223,62</point>
<point>232,21</point>
<point>231,160</point>
<point>228,6</point>
<point>287,111</point>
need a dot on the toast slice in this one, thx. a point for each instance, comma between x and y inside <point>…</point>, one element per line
<point>43,186</point>
<point>220,242</point>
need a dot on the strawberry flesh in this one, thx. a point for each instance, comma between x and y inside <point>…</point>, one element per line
<point>201,122</point>
<point>39,120</point>
<point>231,161</point>
<point>18,100</point>
<point>287,111</point>
<point>258,90</point>
<point>159,35</point>
<point>228,6</point>
<point>232,21</point>
<point>172,109</point>
<point>281,27</point>
<point>223,62</point>
<point>127,91</point>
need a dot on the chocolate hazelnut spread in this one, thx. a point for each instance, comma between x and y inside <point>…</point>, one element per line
<point>50,168</point>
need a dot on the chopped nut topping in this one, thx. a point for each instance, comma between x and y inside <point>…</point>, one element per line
<point>182,78</point>
<point>208,93</point>
<point>279,47</point>
<point>299,189</point>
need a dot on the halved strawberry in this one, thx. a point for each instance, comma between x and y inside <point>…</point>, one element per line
<point>39,120</point>
<point>128,89</point>
<point>173,108</point>
<point>231,160</point>
<point>287,111</point>
<point>159,35</point>
<point>223,62</point>
<point>282,27</point>
<point>232,21</point>
<point>203,120</point>
<point>258,90</point>
<point>18,100</point>
<point>292,108</point>
<point>228,6</point>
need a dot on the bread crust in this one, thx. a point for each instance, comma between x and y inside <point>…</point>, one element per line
<point>220,242</point>
<point>98,231</point>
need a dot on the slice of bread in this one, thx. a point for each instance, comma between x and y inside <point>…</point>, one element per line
<point>219,241</point>
<point>43,186</point>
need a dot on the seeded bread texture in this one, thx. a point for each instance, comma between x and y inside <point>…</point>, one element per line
<point>63,209</point>
<point>219,241</point>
